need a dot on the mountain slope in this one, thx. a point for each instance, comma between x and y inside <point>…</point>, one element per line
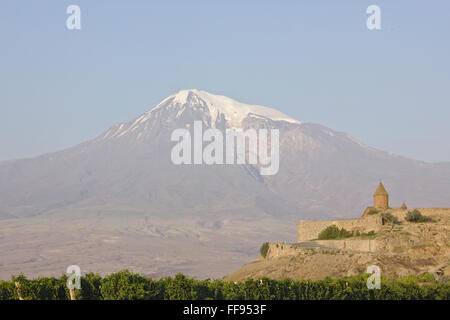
<point>126,172</point>
<point>322,172</point>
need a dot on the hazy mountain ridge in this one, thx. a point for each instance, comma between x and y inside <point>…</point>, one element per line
<point>133,156</point>
<point>126,172</point>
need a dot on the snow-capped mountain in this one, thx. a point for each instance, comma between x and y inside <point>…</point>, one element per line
<point>126,173</point>
<point>180,108</point>
<point>322,172</point>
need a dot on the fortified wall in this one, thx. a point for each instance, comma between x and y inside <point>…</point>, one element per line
<point>280,249</point>
<point>310,229</point>
<point>434,212</point>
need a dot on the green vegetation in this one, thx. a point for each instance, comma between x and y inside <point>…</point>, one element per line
<point>389,218</point>
<point>264,249</point>
<point>7,291</point>
<point>332,252</point>
<point>367,235</point>
<point>125,285</point>
<point>333,232</point>
<point>373,211</point>
<point>311,251</point>
<point>416,216</point>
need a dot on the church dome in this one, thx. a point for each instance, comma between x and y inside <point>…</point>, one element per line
<point>381,191</point>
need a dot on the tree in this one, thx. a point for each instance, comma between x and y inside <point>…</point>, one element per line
<point>264,249</point>
<point>124,285</point>
<point>416,216</point>
<point>333,232</point>
<point>389,218</point>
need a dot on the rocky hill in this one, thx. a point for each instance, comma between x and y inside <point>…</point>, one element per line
<point>400,249</point>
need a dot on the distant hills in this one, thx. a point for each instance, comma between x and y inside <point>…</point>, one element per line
<point>124,179</point>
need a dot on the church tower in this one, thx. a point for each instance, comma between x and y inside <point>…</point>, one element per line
<point>381,198</point>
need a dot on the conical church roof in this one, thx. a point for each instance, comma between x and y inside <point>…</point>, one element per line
<point>381,190</point>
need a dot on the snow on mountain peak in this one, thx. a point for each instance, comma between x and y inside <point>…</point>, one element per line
<point>233,111</point>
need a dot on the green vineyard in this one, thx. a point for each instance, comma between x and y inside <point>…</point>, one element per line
<point>125,285</point>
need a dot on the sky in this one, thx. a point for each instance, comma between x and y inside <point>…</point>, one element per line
<point>314,60</point>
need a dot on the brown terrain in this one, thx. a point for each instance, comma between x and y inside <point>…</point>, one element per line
<point>398,249</point>
<point>118,201</point>
<point>46,246</point>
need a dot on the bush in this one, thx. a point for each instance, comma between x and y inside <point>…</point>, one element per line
<point>333,232</point>
<point>389,218</point>
<point>416,216</point>
<point>130,286</point>
<point>90,287</point>
<point>373,211</point>
<point>369,234</point>
<point>41,288</point>
<point>183,288</point>
<point>264,249</point>
<point>7,290</point>
<point>125,285</point>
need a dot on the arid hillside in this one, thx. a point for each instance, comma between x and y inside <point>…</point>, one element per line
<point>398,249</point>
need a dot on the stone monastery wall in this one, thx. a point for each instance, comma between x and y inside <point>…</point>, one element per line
<point>310,229</point>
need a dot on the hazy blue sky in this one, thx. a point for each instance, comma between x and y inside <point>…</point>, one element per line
<point>313,60</point>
